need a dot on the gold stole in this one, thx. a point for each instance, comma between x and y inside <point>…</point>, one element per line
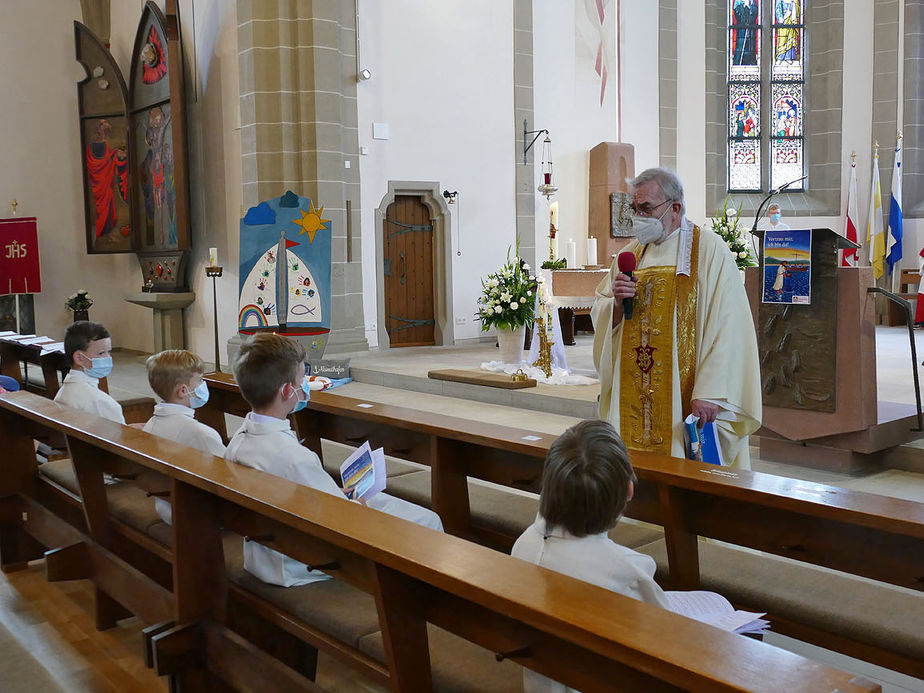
<point>646,366</point>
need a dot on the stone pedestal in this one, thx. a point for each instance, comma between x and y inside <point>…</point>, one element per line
<point>168,316</point>
<point>612,165</point>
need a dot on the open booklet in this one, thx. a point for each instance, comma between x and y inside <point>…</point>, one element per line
<point>715,610</point>
<point>363,472</point>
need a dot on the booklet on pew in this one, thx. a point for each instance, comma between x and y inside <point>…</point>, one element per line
<point>702,441</point>
<point>363,472</point>
<point>53,347</point>
<point>715,610</point>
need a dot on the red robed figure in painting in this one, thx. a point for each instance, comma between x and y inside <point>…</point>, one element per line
<point>103,164</point>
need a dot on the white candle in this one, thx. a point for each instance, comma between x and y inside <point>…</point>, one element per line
<point>213,257</point>
<point>571,254</point>
<point>554,244</point>
<point>591,251</point>
<point>553,215</point>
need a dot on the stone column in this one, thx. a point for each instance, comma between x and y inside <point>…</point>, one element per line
<point>523,110</point>
<point>299,131</point>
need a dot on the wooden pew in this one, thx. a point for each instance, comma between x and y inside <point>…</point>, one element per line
<point>858,533</point>
<point>575,632</point>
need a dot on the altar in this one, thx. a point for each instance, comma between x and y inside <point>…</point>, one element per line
<point>573,294</point>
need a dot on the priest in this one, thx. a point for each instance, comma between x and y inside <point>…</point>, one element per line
<point>689,346</point>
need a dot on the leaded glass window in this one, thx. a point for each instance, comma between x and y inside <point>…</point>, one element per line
<point>755,49</point>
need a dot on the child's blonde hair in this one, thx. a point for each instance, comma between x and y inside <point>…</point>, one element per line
<point>585,481</point>
<point>170,368</point>
<point>265,363</point>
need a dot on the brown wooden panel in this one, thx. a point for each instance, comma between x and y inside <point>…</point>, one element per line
<point>409,255</point>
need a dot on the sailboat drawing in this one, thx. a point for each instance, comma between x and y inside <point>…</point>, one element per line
<point>285,269</point>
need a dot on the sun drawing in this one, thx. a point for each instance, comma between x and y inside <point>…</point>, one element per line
<point>311,221</point>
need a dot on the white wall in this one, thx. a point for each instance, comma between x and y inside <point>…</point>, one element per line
<point>567,103</point>
<point>442,79</point>
<point>638,37</point>
<point>42,171</point>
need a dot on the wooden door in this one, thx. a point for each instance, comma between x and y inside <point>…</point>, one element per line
<point>408,244</point>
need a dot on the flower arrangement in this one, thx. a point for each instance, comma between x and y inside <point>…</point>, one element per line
<point>79,301</point>
<point>726,225</point>
<point>508,296</point>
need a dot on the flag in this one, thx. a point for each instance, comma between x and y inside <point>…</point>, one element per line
<point>919,310</point>
<point>895,210</point>
<point>875,233</point>
<point>853,217</point>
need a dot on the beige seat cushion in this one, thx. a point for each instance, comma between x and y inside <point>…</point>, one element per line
<point>507,512</point>
<point>331,606</point>
<point>62,473</point>
<point>458,666</point>
<point>335,454</point>
<point>863,610</point>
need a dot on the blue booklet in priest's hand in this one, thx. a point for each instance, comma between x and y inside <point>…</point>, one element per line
<point>702,441</point>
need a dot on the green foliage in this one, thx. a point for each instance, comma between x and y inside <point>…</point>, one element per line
<point>79,301</point>
<point>508,296</point>
<point>726,225</point>
<point>559,264</point>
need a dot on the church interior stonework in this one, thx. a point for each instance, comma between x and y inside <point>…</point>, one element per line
<point>499,345</point>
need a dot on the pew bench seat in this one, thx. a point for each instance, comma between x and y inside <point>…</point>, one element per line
<point>864,611</point>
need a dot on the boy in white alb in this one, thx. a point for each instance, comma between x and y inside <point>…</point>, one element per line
<point>587,482</point>
<point>269,370</point>
<point>176,376</point>
<point>88,349</point>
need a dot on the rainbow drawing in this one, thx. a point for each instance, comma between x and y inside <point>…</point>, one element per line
<point>248,312</point>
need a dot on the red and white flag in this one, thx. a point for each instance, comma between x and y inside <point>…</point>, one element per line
<point>849,258</point>
<point>919,311</point>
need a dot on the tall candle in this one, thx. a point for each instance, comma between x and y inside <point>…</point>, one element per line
<point>591,251</point>
<point>572,254</point>
<point>553,244</point>
<point>553,215</point>
<point>213,257</point>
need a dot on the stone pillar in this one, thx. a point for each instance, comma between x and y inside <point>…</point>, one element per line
<point>523,110</point>
<point>299,130</point>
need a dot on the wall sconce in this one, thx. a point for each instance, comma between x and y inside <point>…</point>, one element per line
<point>450,196</point>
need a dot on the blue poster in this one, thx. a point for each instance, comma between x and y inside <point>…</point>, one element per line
<point>788,267</point>
<point>285,269</point>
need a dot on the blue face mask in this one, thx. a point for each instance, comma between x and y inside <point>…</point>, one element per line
<point>775,218</point>
<point>302,403</point>
<point>199,396</point>
<point>101,367</point>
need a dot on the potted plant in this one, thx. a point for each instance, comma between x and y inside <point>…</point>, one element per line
<point>79,303</point>
<point>726,225</point>
<point>507,303</point>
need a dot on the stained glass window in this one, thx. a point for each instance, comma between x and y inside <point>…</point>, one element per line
<point>774,47</point>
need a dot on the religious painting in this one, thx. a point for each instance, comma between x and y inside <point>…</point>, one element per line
<point>744,110</point>
<point>104,149</point>
<point>156,192</point>
<point>621,215</point>
<point>745,32</point>
<point>285,270</point>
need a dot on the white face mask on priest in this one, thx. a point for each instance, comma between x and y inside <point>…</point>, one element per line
<point>656,214</point>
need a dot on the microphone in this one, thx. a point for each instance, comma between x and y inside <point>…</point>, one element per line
<point>785,186</point>
<point>626,263</point>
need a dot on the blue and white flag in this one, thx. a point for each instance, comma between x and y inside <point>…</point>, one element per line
<point>895,210</point>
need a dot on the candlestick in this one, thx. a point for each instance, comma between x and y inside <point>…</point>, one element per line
<point>215,272</point>
<point>571,250</point>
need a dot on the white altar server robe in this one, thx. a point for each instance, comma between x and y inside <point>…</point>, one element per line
<point>269,444</point>
<point>178,423</point>
<point>596,559</point>
<point>81,391</point>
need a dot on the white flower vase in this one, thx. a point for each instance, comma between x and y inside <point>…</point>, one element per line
<point>511,344</point>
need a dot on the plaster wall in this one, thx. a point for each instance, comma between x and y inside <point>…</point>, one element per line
<point>442,81</point>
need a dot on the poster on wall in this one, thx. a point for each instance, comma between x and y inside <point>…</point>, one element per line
<point>788,267</point>
<point>285,270</point>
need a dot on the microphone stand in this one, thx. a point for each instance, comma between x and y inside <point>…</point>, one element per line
<point>760,209</point>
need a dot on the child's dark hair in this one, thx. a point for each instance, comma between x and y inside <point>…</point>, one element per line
<point>585,481</point>
<point>266,362</point>
<point>79,335</point>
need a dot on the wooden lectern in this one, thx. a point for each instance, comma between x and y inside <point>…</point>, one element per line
<point>818,368</point>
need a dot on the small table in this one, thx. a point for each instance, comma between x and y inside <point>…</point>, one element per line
<point>168,315</point>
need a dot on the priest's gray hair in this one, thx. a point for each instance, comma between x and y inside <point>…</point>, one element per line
<point>669,182</point>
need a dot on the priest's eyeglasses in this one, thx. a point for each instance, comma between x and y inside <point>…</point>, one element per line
<point>645,209</point>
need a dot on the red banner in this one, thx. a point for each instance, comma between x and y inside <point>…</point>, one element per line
<point>19,256</point>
